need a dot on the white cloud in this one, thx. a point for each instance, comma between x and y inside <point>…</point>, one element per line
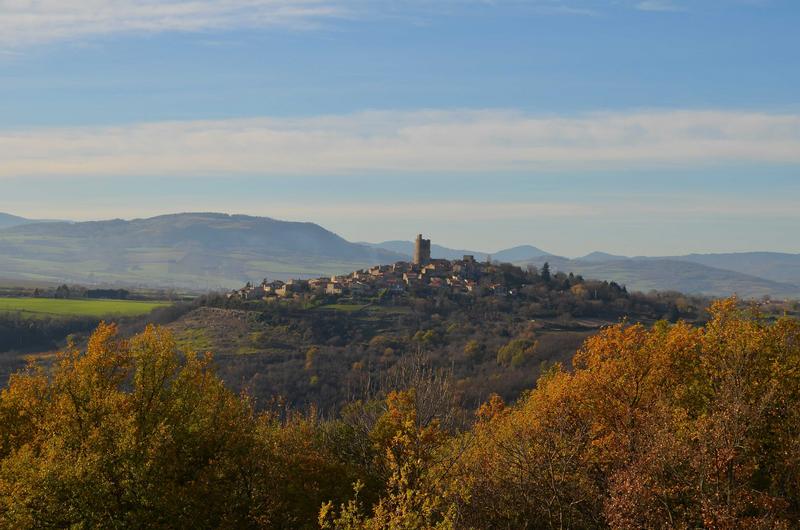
<point>422,142</point>
<point>27,22</point>
<point>24,22</point>
<point>659,5</point>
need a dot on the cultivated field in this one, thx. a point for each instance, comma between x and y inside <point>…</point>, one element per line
<point>49,307</point>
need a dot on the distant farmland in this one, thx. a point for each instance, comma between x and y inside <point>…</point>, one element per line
<point>50,307</point>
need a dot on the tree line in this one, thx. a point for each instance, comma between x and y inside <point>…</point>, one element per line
<point>669,426</point>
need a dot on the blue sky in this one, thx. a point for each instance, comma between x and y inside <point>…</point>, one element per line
<point>635,127</point>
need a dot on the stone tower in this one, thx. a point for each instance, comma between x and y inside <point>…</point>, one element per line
<point>422,251</point>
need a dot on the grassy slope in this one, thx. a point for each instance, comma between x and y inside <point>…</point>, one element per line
<point>235,332</point>
<point>44,307</point>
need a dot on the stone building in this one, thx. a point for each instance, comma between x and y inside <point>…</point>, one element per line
<point>422,251</point>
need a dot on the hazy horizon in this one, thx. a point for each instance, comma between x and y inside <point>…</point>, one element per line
<point>467,245</point>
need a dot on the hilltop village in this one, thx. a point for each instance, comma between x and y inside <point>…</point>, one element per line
<point>459,276</point>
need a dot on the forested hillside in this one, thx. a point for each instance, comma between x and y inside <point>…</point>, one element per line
<point>324,350</point>
<point>669,426</point>
<point>327,350</point>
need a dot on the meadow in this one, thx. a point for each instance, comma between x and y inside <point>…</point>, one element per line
<point>51,307</point>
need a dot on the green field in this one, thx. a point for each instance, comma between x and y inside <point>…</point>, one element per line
<point>50,307</point>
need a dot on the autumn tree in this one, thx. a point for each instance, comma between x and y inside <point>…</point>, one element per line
<point>673,426</point>
<point>413,496</point>
<point>723,452</point>
<point>667,426</point>
<point>516,352</point>
<point>127,433</point>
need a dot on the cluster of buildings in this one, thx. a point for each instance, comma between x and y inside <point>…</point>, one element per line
<point>458,276</point>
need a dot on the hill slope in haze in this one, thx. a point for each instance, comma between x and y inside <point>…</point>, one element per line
<point>8,220</point>
<point>646,274</point>
<point>192,250</point>
<point>776,266</point>
<point>749,275</point>
<point>208,251</point>
<point>406,249</point>
<point>509,255</point>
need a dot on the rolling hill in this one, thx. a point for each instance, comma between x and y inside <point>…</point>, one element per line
<point>666,274</point>
<point>600,257</point>
<point>776,266</point>
<point>8,220</point>
<point>749,275</point>
<point>406,249</point>
<point>194,250</point>
<point>510,255</point>
<point>204,251</point>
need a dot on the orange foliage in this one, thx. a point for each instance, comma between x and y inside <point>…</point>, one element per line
<point>673,426</point>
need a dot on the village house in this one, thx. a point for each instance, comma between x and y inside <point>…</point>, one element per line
<point>271,287</point>
<point>437,269</point>
<point>379,270</point>
<point>411,278</point>
<point>458,277</point>
<point>318,284</point>
<point>248,292</point>
<point>291,288</point>
<point>334,288</point>
<point>360,288</point>
<point>360,275</point>
<point>402,267</point>
<point>467,267</point>
<point>437,283</point>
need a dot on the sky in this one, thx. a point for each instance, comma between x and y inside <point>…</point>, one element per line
<point>636,127</point>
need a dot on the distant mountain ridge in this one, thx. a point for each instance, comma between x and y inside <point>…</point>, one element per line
<point>520,253</point>
<point>191,250</point>
<point>511,255</point>
<point>777,266</point>
<point>406,249</point>
<point>204,251</point>
<point>600,257</point>
<point>8,220</point>
<point>665,274</point>
<point>782,270</point>
<point>750,275</point>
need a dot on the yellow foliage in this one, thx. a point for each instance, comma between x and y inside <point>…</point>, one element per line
<point>670,426</point>
<point>125,434</point>
<point>413,497</point>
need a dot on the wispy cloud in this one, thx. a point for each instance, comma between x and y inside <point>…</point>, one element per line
<point>24,22</point>
<point>404,142</point>
<point>659,5</point>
